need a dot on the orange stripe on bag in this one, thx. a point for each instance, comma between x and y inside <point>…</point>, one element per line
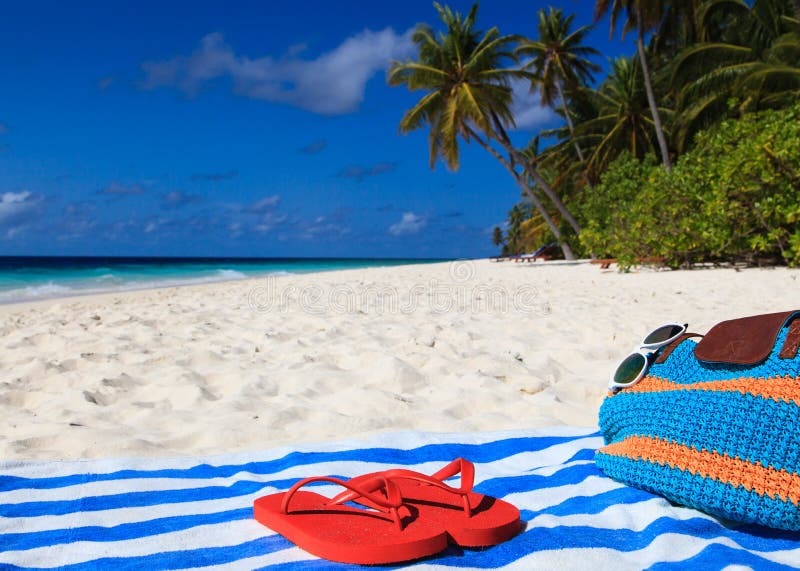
<point>720,467</point>
<point>776,388</point>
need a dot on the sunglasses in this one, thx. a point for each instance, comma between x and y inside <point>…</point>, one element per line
<point>632,368</point>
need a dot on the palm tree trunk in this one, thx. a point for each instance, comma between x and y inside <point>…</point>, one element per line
<point>551,194</point>
<point>569,120</point>
<point>565,248</point>
<point>662,142</point>
<point>568,254</point>
<point>542,183</point>
<point>502,137</point>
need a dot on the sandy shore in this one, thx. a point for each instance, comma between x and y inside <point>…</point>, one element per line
<point>257,363</point>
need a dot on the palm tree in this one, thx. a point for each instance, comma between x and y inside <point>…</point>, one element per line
<point>559,60</point>
<point>677,29</point>
<point>753,58</point>
<point>530,170</point>
<point>559,157</point>
<point>642,15</point>
<point>516,218</point>
<point>468,92</point>
<point>497,237</point>
<point>622,122</point>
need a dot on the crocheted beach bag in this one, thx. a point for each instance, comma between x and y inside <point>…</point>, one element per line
<point>715,424</point>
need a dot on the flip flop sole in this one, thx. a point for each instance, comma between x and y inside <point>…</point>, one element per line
<point>348,535</point>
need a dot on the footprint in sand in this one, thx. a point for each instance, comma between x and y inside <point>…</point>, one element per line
<point>208,395</point>
<point>124,381</point>
<point>96,397</point>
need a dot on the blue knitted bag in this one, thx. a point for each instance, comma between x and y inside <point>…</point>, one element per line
<point>715,424</point>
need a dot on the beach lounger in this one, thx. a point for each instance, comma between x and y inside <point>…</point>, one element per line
<point>198,512</point>
<point>539,254</point>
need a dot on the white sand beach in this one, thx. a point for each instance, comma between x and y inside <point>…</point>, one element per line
<point>235,366</point>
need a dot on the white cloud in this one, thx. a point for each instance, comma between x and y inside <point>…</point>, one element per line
<point>12,203</point>
<point>262,215</point>
<point>332,84</point>
<point>17,209</point>
<point>178,199</point>
<point>321,229</point>
<point>410,223</point>
<point>527,107</point>
<point>235,229</point>
<point>270,220</point>
<point>265,204</point>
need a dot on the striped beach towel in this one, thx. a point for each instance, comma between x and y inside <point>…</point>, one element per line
<point>196,513</point>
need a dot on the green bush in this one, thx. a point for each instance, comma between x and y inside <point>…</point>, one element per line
<point>735,196</point>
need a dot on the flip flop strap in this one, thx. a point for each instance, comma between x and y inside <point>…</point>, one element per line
<point>364,488</point>
<point>459,465</point>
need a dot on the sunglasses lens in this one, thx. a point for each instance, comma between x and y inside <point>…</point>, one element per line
<point>629,369</point>
<point>662,334</point>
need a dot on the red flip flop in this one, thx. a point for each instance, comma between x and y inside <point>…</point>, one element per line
<point>470,519</point>
<point>348,534</point>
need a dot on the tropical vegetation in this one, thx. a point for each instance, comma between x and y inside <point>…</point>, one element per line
<point>734,196</point>
<point>687,150</point>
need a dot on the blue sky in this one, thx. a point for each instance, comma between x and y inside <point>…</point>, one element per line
<point>240,128</point>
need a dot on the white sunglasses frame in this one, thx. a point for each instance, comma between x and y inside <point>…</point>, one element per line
<point>640,350</point>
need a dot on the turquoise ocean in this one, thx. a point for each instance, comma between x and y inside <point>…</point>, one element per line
<point>26,278</point>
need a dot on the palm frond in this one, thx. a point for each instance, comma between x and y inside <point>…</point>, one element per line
<point>423,112</point>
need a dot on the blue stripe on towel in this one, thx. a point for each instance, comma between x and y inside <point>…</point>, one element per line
<point>20,541</point>
<point>203,557</point>
<point>494,487</point>
<point>569,511</point>
<point>478,453</point>
<point>714,554</point>
<point>571,475</point>
<point>124,531</point>
<point>539,540</point>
